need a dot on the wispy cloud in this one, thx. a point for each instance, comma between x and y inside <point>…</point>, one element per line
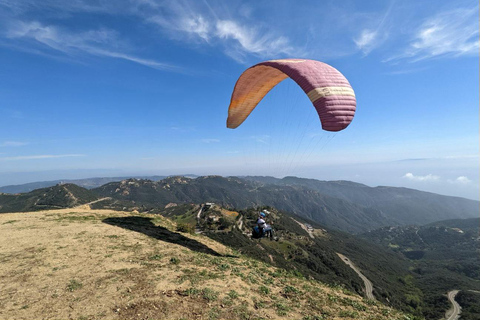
<point>426,178</point>
<point>184,22</point>
<point>261,139</point>
<point>406,71</point>
<point>13,144</point>
<point>43,156</point>
<point>57,6</point>
<point>250,40</point>
<point>210,140</point>
<point>452,33</point>
<point>102,42</point>
<point>371,38</point>
<point>366,41</point>
<point>183,129</point>
<point>413,159</point>
<point>455,157</point>
<point>238,38</point>
<point>463,156</point>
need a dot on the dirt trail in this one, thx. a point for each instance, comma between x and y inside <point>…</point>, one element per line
<point>199,212</point>
<point>368,283</point>
<point>86,206</point>
<point>240,223</point>
<point>304,227</point>
<point>70,194</point>
<point>454,312</point>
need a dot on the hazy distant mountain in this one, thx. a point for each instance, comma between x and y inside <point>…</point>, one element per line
<point>400,205</point>
<point>342,205</point>
<point>88,183</point>
<point>59,196</point>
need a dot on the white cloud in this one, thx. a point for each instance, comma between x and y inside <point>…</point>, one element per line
<point>13,144</point>
<point>451,33</point>
<point>428,177</point>
<point>102,42</point>
<point>461,180</point>
<point>44,156</point>
<point>366,41</point>
<point>197,25</point>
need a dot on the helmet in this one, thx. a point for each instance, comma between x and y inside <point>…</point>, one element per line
<point>262,214</point>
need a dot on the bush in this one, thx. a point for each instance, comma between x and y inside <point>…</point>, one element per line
<point>185,227</point>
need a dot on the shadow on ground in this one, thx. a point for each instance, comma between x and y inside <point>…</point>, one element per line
<point>147,227</point>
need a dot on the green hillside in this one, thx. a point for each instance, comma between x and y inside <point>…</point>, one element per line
<point>59,196</point>
<point>399,205</point>
<point>443,256</point>
<point>312,256</point>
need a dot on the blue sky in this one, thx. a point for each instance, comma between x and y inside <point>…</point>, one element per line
<point>109,88</point>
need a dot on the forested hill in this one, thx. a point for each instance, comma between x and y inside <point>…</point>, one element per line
<point>401,205</point>
<point>342,205</point>
<point>443,255</point>
<point>59,196</point>
<point>239,193</point>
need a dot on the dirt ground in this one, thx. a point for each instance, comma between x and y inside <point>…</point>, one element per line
<point>100,264</point>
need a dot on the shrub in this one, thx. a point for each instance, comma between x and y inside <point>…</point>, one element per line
<point>186,227</point>
<point>264,290</point>
<point>74,285</point>
<point>233,294</point>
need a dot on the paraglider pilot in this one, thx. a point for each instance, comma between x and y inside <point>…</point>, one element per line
<point>264,228</point>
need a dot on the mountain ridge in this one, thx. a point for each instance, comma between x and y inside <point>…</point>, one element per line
<point>342,205</point>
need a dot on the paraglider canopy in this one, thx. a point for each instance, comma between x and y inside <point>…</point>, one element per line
<point>328,90</point>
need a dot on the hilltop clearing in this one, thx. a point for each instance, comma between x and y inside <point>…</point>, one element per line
<point>101,264</point>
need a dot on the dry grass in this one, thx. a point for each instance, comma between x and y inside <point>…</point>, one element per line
<point>95,264</point>
<point>228,213</point>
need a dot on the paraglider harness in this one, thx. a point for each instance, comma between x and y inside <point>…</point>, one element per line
<point>257,232</point>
